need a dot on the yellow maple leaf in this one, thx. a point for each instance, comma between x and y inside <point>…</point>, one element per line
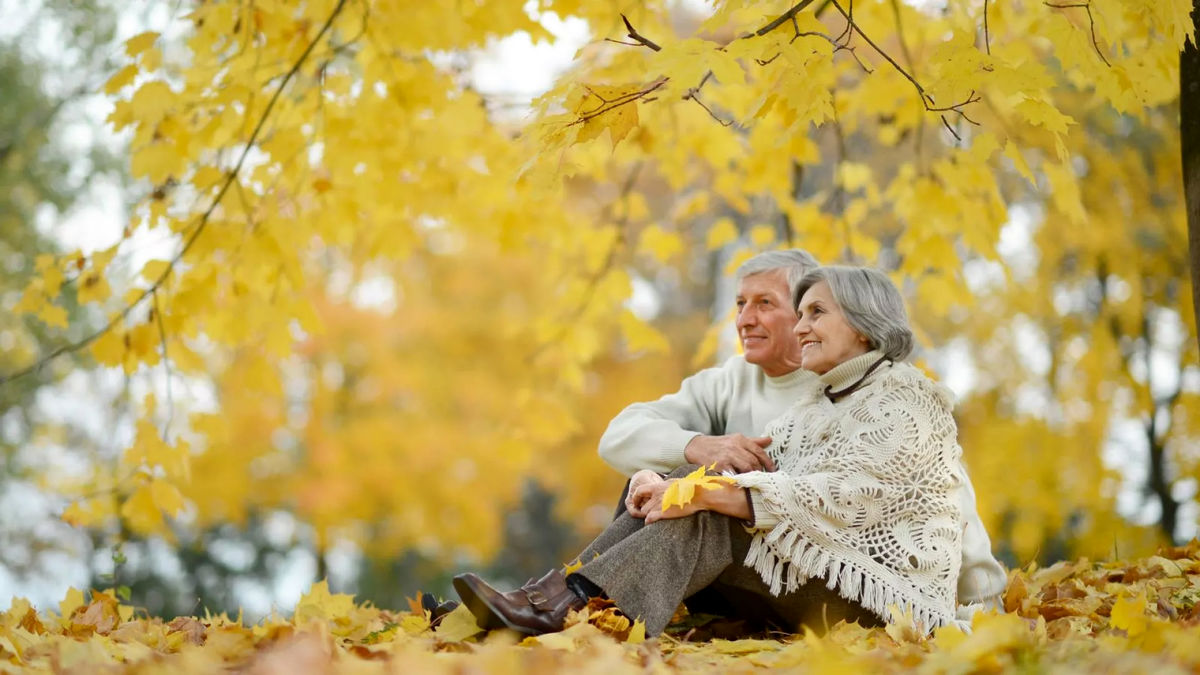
<point>153,269</point>
<point>682,491</point>
<point>140,43</point>
<point>1013,152</point>
<point>1129,614</point>
<point>660,244</point>
<point>166,497</point>
<point>458,625</point>
<point>150,103</point>
<point>319,604</point>
<point>156,161</point>
<point>121,79</point>
<point>140,512</point>
<point>109,348</point>
<point>608,107</point>
<point>93,287</point>
<point>53,315</point>
<point>761,236</point>
<point>70,602</point>
<point>721,233</point>
<point>637,634</point>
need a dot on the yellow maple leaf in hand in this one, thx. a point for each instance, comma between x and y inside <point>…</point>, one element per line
<point>682,491</point>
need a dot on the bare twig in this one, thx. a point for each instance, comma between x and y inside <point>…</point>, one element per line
<point>900,36</point>
<point>722,122</point>
<point>693,94</point>
<point>622,42</point>
<point>1087,7</point>
<point>987,36</point>
<point>782,18</point>
<point>926,100</point>
<point>950,128</point>
<point>638,37</point>
<point>607,105</point>
<point>848,33</point>
<point>201,223</point>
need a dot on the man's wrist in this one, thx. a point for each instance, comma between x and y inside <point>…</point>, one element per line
<point>687,458</point>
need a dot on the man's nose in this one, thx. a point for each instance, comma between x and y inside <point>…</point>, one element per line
<point>745,317</point>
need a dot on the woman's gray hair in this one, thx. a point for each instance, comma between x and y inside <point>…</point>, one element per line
<point>793,261</point>
<point>871,303</point>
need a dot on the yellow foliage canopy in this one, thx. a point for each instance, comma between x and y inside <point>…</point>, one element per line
<point>402,301</point>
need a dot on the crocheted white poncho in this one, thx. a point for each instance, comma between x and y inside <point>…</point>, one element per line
<point>865,495</point>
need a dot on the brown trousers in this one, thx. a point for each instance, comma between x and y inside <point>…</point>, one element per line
<point>648,570</point>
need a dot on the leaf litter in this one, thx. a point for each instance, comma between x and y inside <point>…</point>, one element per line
<point>1138,615</point>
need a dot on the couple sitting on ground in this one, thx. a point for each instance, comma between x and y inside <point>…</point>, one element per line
<point>854,500</point>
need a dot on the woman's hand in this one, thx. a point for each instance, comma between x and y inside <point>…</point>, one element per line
<point>656,513</point>
<point>632,499</point>
<point>647,502</point>
<point>728,499</point>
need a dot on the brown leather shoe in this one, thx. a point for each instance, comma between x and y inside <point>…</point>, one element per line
<point>535,608</point>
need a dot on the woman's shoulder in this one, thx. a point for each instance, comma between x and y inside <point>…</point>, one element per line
<point>908,377</point>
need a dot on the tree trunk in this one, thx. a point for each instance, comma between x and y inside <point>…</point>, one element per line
<point>1189,123</point>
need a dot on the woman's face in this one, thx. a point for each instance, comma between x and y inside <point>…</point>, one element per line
<point>826,338</point>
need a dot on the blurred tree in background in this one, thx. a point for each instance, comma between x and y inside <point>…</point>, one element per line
<point>390,322</point>
<point>49,160</point>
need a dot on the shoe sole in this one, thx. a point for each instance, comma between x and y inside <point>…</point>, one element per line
<point>485,617</point>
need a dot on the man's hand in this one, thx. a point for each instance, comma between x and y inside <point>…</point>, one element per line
<point>643,477</point>
<point>646,497</point>
<point>646,502</point>
<point>734,452</point>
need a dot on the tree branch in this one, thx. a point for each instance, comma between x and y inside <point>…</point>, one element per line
<point>1087,7</point>
<point>201,223</point>
<point>636,36</point>
<point>607,105</point>
<point>987,37</point>
<point>926,100</point>
<point>782,18</point>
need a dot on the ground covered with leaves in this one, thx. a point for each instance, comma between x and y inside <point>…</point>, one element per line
<point>1140,615</point>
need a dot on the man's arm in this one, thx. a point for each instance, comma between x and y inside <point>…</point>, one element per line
<point>653,435</point>
<point>689,426</point>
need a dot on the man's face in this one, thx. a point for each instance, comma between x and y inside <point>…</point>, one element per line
<point>765,319</point>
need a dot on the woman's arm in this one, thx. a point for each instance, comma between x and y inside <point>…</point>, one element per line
<point>730,500</point>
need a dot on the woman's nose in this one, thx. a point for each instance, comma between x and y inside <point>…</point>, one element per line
<point>800,328</point>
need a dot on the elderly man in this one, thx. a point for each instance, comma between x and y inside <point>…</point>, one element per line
<point>714,416</point>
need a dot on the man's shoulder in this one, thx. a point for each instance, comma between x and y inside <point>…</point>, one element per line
<point>733,368</point>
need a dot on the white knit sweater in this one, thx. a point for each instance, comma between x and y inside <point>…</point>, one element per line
<point>866,494</point>
<point>736,397</point>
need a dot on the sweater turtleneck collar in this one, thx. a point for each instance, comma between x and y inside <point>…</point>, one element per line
<point>787,379</point>
<point>848,372</point>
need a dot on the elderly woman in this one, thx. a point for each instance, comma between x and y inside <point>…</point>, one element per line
<point>862,512</point>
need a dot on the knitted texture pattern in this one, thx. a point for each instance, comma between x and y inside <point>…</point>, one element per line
<point>865,494</point>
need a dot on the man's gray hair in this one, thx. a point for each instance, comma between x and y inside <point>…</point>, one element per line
<point>793,261</point>
<point>871,303</point>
